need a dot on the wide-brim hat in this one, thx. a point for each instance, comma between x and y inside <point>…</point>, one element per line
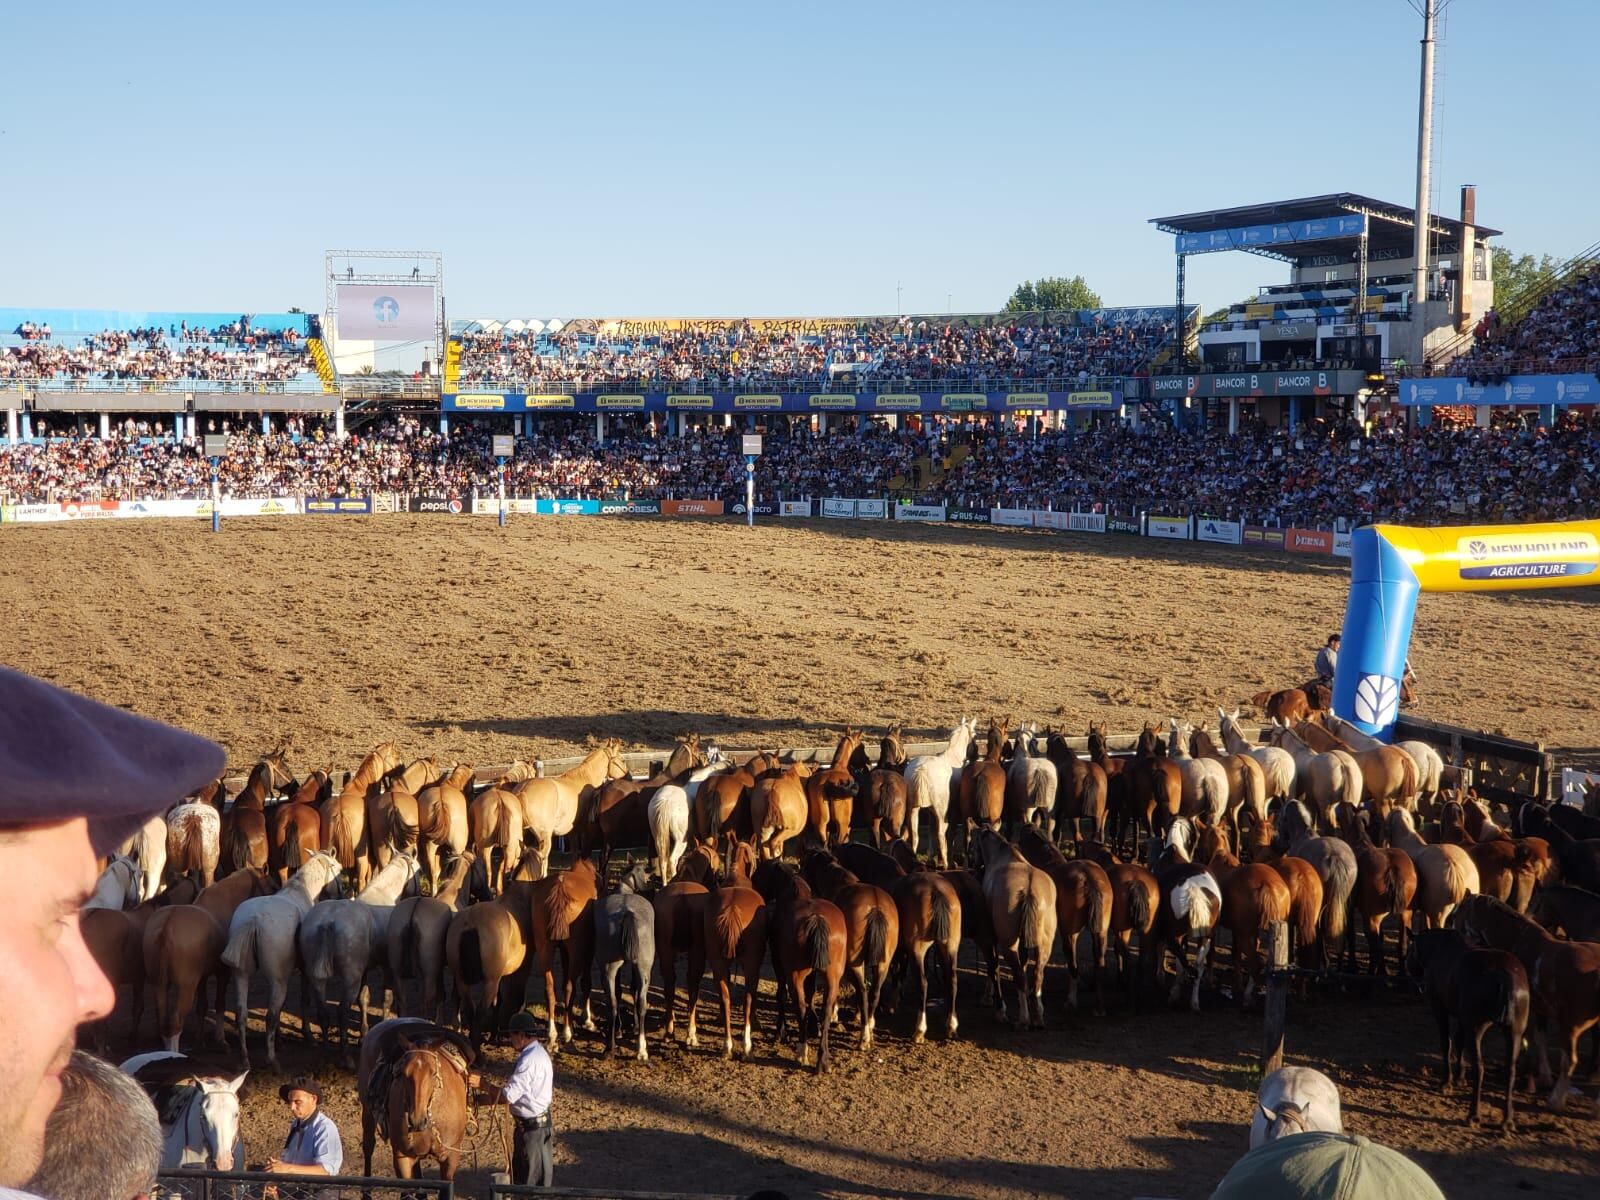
<point>63,755</point>
<point>301,1083</point>
<point>523,1022</point>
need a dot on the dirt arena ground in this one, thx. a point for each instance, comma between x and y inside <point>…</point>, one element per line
<point>455,637</point>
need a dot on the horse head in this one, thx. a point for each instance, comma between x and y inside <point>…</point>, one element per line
<point>418,1074</point>
<point>635,881</point>
<point>1178,735</point>
<point>218,1103</point>
<point>616,765</point>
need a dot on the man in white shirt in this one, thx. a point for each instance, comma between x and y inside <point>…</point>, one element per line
<point>528,1093</point>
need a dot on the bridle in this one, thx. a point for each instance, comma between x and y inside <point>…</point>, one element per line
<point>472,1131</point>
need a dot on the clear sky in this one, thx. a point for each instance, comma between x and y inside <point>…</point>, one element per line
<point>769,159</point>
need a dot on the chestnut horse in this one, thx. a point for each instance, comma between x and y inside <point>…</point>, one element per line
<point>550,804</point>
<point>563,907</point>
<point>981,791</point>
<point>721,807</point>
<point>872,930</point>
<point>778,808</point>
<point>1083,903</point>
<point>344,817</point>
<point>831,793</point>
<point>294,827</point>
<point>1294,704</point>
<point>1386,884</point>
<point>245,842</point>
<point>1388,773</point>
<point>809,943</point>
<point>680,929</point>
<point>734,933</point>
<point>1022,911</point>
<point>1253,897</point>
<point>930,919</point>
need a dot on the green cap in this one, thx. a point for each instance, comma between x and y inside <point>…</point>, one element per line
<point>1325,1166</point>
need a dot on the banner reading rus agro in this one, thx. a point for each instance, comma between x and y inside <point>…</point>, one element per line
<point>1310,541</point>
<point>968,516</point>
<point>691,508</point>
<point>1117,522</point>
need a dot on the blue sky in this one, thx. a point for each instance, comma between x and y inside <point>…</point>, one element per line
<point>709,159</point>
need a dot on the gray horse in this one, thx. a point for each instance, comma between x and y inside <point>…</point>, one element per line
<point>625,931</point>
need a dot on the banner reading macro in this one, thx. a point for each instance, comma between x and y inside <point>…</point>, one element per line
<point>1391,565</point>
<point>387,312</point>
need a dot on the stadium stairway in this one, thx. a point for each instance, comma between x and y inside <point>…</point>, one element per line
<point>324,365</point>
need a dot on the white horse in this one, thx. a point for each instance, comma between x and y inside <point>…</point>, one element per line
<point>1430,766</point>
<point>929,778</point>
<point>1276,763</point>
<point>1294,1100</point>
<point>199,1112</point>
<point>1205,780</point>
<point>668,815</point>
<point>148,846</point>
<point>194,841</point>
<point>1031,781</point>
<point>120,885</point>
<point>261,937</point>
<point>341,941</point>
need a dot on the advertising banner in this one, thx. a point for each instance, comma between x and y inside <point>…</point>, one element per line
<point>1258,383</point>
<point>1122,523</point>
<point>1309,541</point>
<point>1542,390</point>
<point>87,510</point>
<point>919,512</point>
<point>448,505</point>
<point>489,506</point>
<point>794,508</point>
<point>1020,517</point>
<point>1091,400</point>
<point>691,508</point>
<point>968,516</point>
<point>162,508</point>
<point>1046,518</point>
<point>1246,237</point>
<point>1029,401</point>
<point>1229,533</point>
<point>1341,544</point>
<point>567,508</point>
<point>630,508</point>
<point>33,513</point>
<point>339,504</point>
<point>277,506</point>
<point>1263,535</point>
<point>1086,522</point>
<point>1174,528</point>
<point>764,508</point>
<point>833,506</point>
<point>872,510</point>
<point>386,312</point>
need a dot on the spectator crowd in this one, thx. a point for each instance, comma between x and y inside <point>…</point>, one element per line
<point>233,352</point>
<point>880,353</point>
<point>1324,471</point>
<point>1560,333</point>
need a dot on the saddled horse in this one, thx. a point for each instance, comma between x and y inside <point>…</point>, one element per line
<point>344,816</point>
<point>1564,978</point>
<point>809,947</point>
<point>1294,704</point>
<point>414,1089</point>
<point>198,1110</point>
<point>416,935</point>
<point>1022,912</point>
<point>550,804</point>
<point>929,778</point>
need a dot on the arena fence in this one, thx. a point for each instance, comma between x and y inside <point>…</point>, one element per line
<point>258,1185</point>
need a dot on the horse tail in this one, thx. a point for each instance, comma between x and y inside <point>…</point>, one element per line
<point>1194,902</point>
<point>438,827</point>
<point>1350,788</point>
<point>1341,883</point>
<point>320,961</point>
<point>162,965</point>
<point>237,846</point>
<point>876,938</point>
<point>558,920</point>
<point>1412,783</point>
<point>632,936</point>
<point>939,919</point>
<point>410,946</point>
<point>470,954</point>
<point>293,857</point>
<point>1027,913</point>
<point>814,933</point>
<point>240,952</point>
<point>1138,906</point>
<point>728,931</point>
<point>341,838</point>
<point>402,833</point>
<point>1397,898</point>
<point>1456,879</point>
<point>1505,1005</point>
<point>1098,919</point>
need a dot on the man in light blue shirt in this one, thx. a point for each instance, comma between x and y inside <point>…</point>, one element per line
<point>528,1092</point>
<point>313,1146</point>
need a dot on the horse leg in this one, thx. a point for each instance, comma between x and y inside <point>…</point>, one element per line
<point>1179,949</point>
<point>1199,970</point>
<point>783,995</point>
<point>279,991</point>
<point>369,1138</point>
<point>668,967</point>
<point>858,977</point>
<point>830,1001</point>
<point>1069,942</point>
<point>692,980</point>
<point>721,972</point>
<point>802,982</point>
<point>552,1031</point>
<point>241,1008</point>
<point>1097,947</point>
<point>1477,1069</point>
<point>614,1023</point>
<point>1569,1064</point>
<point>1513,1042</point>
<point>641,1007</point>
<point>1014,965</point>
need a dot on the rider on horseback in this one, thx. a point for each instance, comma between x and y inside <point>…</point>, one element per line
<point>1327,660</point>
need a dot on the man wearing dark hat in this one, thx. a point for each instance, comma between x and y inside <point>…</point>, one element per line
<point>313,1146</point>
<point>528,1092</point>
<point>1328,659</point>
<point>76,779</point>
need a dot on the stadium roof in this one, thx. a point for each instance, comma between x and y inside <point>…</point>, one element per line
<point>1390,227</point>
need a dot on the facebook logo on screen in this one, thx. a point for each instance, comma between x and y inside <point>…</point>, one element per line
<point>385,310</point>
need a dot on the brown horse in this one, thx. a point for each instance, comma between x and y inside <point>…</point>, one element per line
<point>487,949</point>
<point>779,808</point>
<point>182,948</point>
<point>344,817</point>
<point>1247,782</point>
<point>442,819</point>
<point>1191,907</point>
<point>1082,785</point>
<point>115,938</point>
<point>415,938</point>
<point>721,806</point>
<point>563,928</point>
<point>1022,912</point>
<point>1388,773</point>
<point>1446,875</point>
<point>391,824</point>
<point>1294,704</point>
<point>414,1089</point>
<point>550,805</point>
<point>981,790</point>
<point>734,933</point>
<point>1386,885</point>
<point>1564,978</point>
<point>680,929</point>
<point>1254,896</point>
<point>1135,900</point>
<point>809,943</point>
<point>930,919</point>
<point>1153,787</point>
<point>615,813</point>
<point>881,790</point>
<point>831,793</point>
<point>1083,903</point>
<point>294,828</point>
<point>872,929</point>
<point>245,840</point>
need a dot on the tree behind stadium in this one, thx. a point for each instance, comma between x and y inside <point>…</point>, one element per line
<point>1055,293</point>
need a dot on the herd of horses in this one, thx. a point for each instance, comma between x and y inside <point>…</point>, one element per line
<point>443,886</point>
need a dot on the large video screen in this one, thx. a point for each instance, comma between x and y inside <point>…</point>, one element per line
<point>386,313</point>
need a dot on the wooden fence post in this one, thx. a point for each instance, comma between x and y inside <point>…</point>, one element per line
<point>1277,1005</point>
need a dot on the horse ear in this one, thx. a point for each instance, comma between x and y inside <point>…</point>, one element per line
<point>237,1082</point>
<point>1268,1113</point>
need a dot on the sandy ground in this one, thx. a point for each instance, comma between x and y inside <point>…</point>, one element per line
<point>455,637</point>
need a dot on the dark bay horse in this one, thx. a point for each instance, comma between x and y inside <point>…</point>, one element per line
<point>614,815</point>
<point>881,790</point>
<point>1082,786</point>
<point>810,945</point>
<point>981,790</point>
<point>294,827</point>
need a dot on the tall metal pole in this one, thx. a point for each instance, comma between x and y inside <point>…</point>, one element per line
<point>1424,154</point>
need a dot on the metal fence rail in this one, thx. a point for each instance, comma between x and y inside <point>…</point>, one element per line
<point>258,1185</point>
